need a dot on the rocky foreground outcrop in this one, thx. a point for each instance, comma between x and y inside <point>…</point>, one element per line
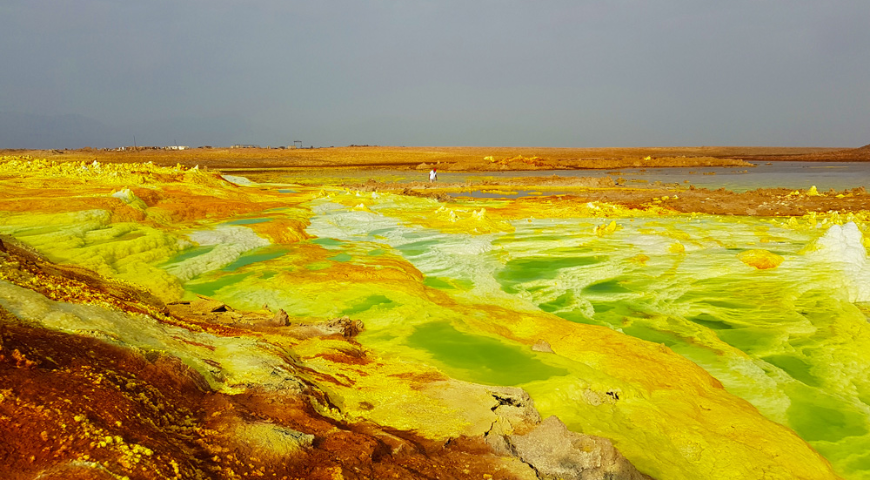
<point>548,447</point>
<point>100,380</point>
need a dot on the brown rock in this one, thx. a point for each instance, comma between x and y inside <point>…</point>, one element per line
<point>556,452</point>
<point>542,346</point>
<point>269,441</point>
<point>515,414</point>
<point>208,305</point>
<point>345,326</point>
<point>281,319</point>
<point>515,410</point>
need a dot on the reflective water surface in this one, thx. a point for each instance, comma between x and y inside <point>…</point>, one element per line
<point>791,175</point>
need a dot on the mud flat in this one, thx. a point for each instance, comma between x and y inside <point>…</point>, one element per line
<point>176,322</point>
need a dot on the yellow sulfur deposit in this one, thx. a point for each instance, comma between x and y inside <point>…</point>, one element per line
<point>664,341</point>
<point>760,259</point>
<point>601,230</point>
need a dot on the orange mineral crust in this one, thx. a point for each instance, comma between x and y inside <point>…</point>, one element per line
<point>75,407</point>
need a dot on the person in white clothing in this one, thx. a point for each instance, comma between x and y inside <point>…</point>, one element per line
<point>433,175</point>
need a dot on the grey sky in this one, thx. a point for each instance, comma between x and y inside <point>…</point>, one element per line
<point>514,73</point>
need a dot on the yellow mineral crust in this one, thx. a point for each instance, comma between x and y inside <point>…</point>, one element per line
<point>401,395</point>
<point>760,259</point>
<point>606,229</point>
<point>665,413</point>
<point>677,247</point>
<point>471,218</point>
<point>90,217</point>
<point>683,415</point>
<point>448,218</point>
<point>282,230</point>
<point>568,206</point>
<point>669,411</point>
<point>134,173</point>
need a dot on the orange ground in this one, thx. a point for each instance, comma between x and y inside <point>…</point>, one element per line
<point>453,158</point>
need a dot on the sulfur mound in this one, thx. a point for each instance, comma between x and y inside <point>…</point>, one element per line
<point>760,259</point>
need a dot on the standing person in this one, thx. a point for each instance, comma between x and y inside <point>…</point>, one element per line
<point>433,175</point>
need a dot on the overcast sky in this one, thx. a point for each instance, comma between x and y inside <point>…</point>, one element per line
<point>568,73</point>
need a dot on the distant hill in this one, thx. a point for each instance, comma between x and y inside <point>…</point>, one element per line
<point>860,154</point>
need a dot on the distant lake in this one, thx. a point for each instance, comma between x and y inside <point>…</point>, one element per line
<point>791,175</point>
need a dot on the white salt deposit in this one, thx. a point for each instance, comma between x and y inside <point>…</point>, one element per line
<point>126,195</point>
<point>842,248</point>
<point>230,243</point>
<point>237,180</point>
